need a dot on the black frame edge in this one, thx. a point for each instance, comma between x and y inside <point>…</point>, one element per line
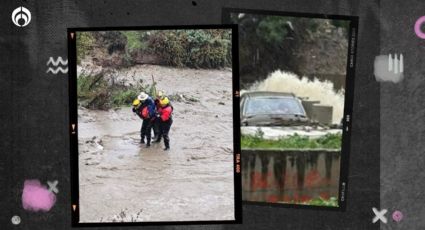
<point>72,74</point>
<point>348,100</point>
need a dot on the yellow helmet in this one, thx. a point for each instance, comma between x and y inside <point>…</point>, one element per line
<point>136,102</point>
<point>164,101</point>
<point>160,94</point>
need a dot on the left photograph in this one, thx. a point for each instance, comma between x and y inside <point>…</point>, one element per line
<point>153,126</point>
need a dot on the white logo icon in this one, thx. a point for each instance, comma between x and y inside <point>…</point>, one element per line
<point>57,65</point>
<point>16,220</point>
<point>389,68</point>
<point>21,16</point>
<point>379,215</point>
<point>396,65</point>
<point>52,186</point>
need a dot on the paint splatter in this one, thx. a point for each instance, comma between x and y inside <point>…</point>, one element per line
<point>418,25</point>
<point>389,68</point>
<point>36,197</point>
<point>397,216</point>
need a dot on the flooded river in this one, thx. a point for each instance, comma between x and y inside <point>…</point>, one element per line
<point>122,180</point>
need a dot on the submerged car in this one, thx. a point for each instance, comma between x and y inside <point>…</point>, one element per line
<point>272,109</point>
<point>278,115</point>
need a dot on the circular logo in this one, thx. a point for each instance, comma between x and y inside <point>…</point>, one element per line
<point>418,26</point>
<point>16,220</point>
<point>21,16</point>
<point>397,216</point>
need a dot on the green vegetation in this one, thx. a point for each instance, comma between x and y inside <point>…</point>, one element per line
<point>192,48</point>
<point>319,201</point>
<point>208,49</point>
<point>341,23</point>
<point>94,92</point>
<point>85,42</point>
<point>310,47</point>
<point>124,97</point>
<point>134,44</point>
<point>134,41</point>
<point>272,29</point>
<point>333,201</point>
<point>329,141</point>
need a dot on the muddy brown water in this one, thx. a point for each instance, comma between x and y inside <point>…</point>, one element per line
<point>122,180</point>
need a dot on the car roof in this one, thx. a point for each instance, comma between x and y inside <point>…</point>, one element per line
<point>268,94</point>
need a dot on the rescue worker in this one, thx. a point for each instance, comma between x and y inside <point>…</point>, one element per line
<point>136,107</point>
<point>165,112</point>
<point>156,125</point>
<point>146,111</point>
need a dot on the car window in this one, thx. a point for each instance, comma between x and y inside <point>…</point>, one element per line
<point>273,105</point>
<point>242,101</point>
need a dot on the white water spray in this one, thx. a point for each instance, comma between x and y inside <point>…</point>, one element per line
<point>280,81</point>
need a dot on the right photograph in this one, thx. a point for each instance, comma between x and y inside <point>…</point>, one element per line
<point>296,81</point>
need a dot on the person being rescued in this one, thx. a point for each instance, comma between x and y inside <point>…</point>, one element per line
<point>164,113</point>
<point>144,107</point>
<point>156,124</point>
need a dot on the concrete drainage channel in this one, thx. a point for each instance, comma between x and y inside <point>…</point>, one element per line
<point>289,176</point>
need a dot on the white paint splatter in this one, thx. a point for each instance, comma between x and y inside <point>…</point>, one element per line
<point>389,68</point>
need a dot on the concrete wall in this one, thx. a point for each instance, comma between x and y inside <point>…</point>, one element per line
<point>290,175</point>
<point>308,107</point>
<point>318,113</point>
<point>322,114</point>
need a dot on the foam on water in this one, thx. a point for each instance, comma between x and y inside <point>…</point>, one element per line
<point>280,81</point>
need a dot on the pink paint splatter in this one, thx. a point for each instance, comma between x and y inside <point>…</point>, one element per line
<point>418,25</point>
<point>37,197</point>
<point>397,216</point>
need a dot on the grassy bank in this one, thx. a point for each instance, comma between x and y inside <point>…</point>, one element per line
<point>331,202</point>
<point>95,92</point>
<point>206,48</point>
<point>329,141</point>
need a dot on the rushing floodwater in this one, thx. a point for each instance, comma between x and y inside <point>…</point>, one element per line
<point>121,180</point>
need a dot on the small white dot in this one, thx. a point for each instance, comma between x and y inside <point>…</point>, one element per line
<point>16,220</point>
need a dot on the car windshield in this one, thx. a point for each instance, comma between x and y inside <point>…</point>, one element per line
<point>273,105</point>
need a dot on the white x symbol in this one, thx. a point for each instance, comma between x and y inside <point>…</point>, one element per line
<point>52,186</point>
<point>379,215</point>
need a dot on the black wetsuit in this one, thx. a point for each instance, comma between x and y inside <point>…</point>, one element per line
<point>156,125</point>
<point>146,129</point>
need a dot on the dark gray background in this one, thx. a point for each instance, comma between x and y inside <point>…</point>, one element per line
<point>34,138</point>
<point>402,116</point>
